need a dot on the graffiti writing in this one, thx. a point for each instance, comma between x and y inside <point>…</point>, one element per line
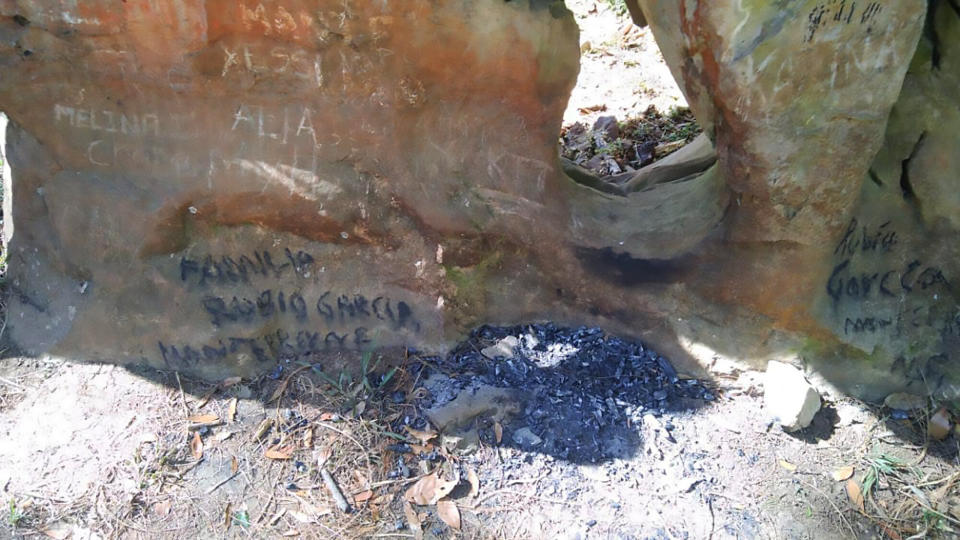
<point>331,308</point>
<point>240,269</point>
<point>268,349</point>
<point>863,239</point>
<point>915,276</point>
<point>841,12</point>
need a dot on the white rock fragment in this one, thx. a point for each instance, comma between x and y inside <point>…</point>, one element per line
<point>789,399</point>
<point>505,348</point>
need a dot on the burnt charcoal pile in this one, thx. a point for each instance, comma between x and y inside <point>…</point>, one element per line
<point>581,394</point>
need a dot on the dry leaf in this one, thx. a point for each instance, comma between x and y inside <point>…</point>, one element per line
<point>325,417</point>
<point>308,438</point>
<point>263,429</point>
<point>232,410</point>
<point>59,531</point>
<point>290,533</point>
<point>204,419</point>
<point>474,482</point>
<point>323,456</point>
<point>162,508</point>
<point>787,465</point>
<point>422,491</point>
<point>843,473</point>
<point>449,513</point>
<point>222,436</point>
<point>856,496</point>
<point>498,432</point>
<point>422,436</point>
<point>417,449</point>
<point>413,520</point>
<point>363,496</point>
<point>196,446</point>
<point>300,516</point>
<point>234,465</point>
<point>230,381</point>
<point>275,454</point>
<point>226,516</point>
<point>939,426</point>
<point>443,488</point>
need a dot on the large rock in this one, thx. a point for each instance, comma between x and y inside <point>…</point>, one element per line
<point>217,186</point>
<point>788,398</point>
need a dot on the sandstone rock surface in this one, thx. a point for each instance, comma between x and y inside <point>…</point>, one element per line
<point>218,186</point>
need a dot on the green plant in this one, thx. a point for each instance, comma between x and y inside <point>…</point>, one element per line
<point>14,515</point>
<point>879,466</point>
<point>618,6</point>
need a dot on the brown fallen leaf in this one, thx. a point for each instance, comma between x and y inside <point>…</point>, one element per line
<point>422,436</point>
<point>196,446</point>
<point>276,454</point>
<point>498,432</point>
<point>232,410</point>
<point>417,449</point>
<point>58,531</point>
<point>843,473</point>
<point>263,429</point>
<point>162,508</point>
<point>413,520</point>
<point>939,425</point>
<point>856,496</point>
<point>422,491</point>
<point>474,482</point>
<point>326,417</point>
<point>308,438</point>
<point>449,513</point>
<point>226,516</point>
<point>363,496</point>
<point>443,488</point>
<point>323,456</point>
<point>204,419</point>
<point>234,465</point>
<point>787,465</point>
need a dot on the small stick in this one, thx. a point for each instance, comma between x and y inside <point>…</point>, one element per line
<point>183,398</point>
<point>342,503</point>
<point>222,482</point>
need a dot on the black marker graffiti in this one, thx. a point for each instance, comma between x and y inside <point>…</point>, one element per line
<point>229,269</point>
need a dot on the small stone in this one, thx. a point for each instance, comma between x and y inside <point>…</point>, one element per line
<point>505,348</point>
<point>591,523</point>
<point>905,402</point>
<point>608,126</point>
<point>789,399</point>
<point>526,437</point>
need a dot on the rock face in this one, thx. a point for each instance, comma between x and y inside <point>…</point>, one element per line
<point>216,186</point>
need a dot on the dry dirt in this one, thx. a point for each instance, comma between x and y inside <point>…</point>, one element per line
<point>97,451</point>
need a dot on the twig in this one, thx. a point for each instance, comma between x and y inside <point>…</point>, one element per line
<point>338,497</point>
<point>222,482</point>
<point>183,398</point>
<point>400,481</point>
<point>366,454</point>
<point>843,518</point>
<point>13,384</point>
